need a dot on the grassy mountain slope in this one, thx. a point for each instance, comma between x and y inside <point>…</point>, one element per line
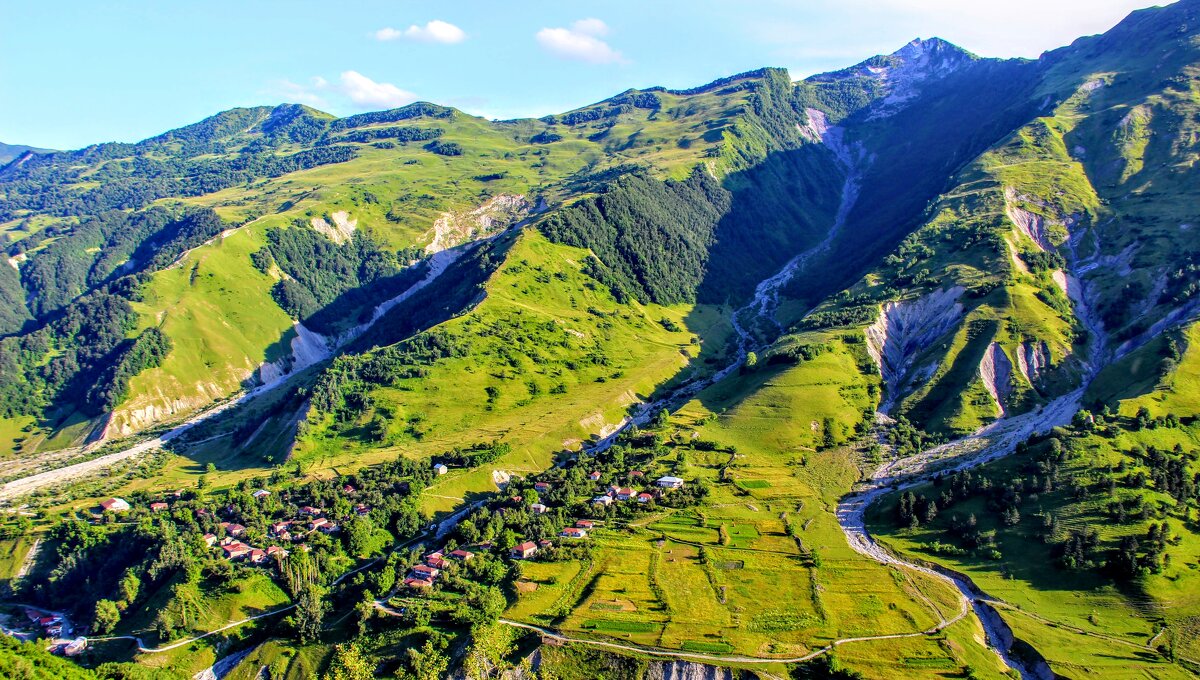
<point>1110,482</point>
<point>413,178</point>
<point>546,360</point>
<point>1062,193</point>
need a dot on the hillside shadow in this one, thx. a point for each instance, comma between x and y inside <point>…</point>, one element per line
<point>908,162</point>
<point>777,209</point>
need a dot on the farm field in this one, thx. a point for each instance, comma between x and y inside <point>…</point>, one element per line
<point>761,568</point>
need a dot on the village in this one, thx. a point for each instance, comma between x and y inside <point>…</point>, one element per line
<point>260,525</point>
<point>423,575</point>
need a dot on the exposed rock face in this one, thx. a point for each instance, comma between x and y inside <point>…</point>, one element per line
<point>907,327</point>
<point>342,229</point>
<point>141,413</point>
<point>995,369</point>
<point>497,213</point>
<point>904,72</point>
<point>1033,358</point>
<point>686,670</point>
<point>1028,223</point>
<point>307,347</point>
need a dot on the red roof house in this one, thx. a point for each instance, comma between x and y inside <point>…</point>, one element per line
<point>524,551</point>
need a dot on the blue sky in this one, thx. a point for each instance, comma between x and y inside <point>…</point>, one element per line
<point>74,72</point>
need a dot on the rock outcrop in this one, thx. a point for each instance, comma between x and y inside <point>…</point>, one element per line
<point>995,369</point>
<point>307,348</point>
<point>342,229</point>
<point>905,328</point>
<point>498,212</point>
<point>687,670</point>
<point>1033,358</point>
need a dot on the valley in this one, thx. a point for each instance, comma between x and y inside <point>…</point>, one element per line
<point>889,371</point>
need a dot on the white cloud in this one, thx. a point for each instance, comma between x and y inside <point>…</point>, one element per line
<point>366,92</point>
<point>581,42</point>
<point>389,33</point>
<point>300,94</point>
<point>360,90</point>
<point>590,26</point>
<point>436,31</point>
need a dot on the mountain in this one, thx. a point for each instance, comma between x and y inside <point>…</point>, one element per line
<point>8,152</point>
<point>930,308</point>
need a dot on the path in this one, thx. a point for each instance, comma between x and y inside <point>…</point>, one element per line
<point>697,656</point>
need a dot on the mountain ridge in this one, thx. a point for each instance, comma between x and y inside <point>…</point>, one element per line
<point>943,298</point>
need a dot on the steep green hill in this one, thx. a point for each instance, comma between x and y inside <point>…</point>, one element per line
<point>863,304</point>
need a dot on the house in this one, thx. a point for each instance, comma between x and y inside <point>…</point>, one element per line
<point>636,473</point>
<point>625,494</point>
<point>258,556</point>
<point>310,511</point>
<point>425,571</point>
<point>320,524</point>
<point>361,509</point>
<point>541,486</point>
<point>464,555</point>
<point>670,482</point>
<point>158,507</point>
<point>274,550</point>
<point>524,551</point>
<point>233,529</point>
<point>538,509</point>
<point>210,540</point>
<point>286,536</point>
<point>544,544</point>
<point>613,490</point>
<point>226,541</point>
<point>236,550</point>
<point>585,523</point>
<point>436,561</point>
<point>280,527</point>
<point>573,532</point>
<point>418,582</point>
<point>645,497</point>
<point>602,500</point>
<point>594,475</point>
<point>349,490</point>
<point>114,505</point>
<point>440,469</point>
<point>261,494</point>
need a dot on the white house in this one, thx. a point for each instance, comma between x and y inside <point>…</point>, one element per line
<point>670,482</point>
<point>115,505</point>
<point>440,469</point>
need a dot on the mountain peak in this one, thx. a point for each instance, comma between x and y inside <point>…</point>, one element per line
<point>901,75</point>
